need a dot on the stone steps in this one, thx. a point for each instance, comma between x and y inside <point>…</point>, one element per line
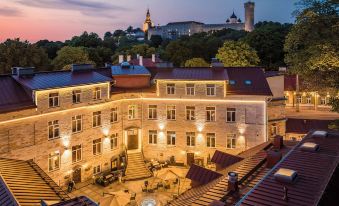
<point>136,167</point>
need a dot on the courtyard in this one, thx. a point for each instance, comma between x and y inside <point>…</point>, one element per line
<point>134,192</point>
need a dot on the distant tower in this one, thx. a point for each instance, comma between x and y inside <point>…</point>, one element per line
<point>148,22</point>
<point>249,16</point>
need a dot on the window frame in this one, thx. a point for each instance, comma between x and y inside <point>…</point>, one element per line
<point>171,138</point>
<point>209,139</point>
<point>114,115</point>
<point>97,93</point>
<point>75,121</point>
<point>96,118</point>
<point>152,137</point>
<point>190,88</point>
<point>51,160</point>
<point>113,141</point>
<point>95,169</point>
<point>170,89</point>
<point>210,118</point>
<point>190,113</point>
<point>134,114</point>
<point>76,95</point>
<point>53,126</point>
<point>170,112</point>
<point>190,139</point>
<point>233,114</point>
<point>208,90</point>
<point>232,137</point>
<point>53,101</point>
<point>152,112</point>
<point>98,146</point>
<point>77,152</point>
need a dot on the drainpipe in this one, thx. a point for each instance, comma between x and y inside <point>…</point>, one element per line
<point>297,94</point>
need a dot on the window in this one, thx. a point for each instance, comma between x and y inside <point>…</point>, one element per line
<point>308,100</point>
<point>171,112</point>
<point>230,115</point>
<point>96,169</point>
<point>132,112</point>
<point>96,119</point>
<point>53,100</point>
<point>190,90</point>
<point>114,115</point>
<point>323,101</point>
<point>53,161</point>
<point>53,129</point>
<point>274,129</point>
<point>114,141</point>
<point>152,112</point>
<point>231,141</point>
<point>76,153</point>
<point>210,139</point>
<point>299,100</point>
<point>76,123</point>
<point>210,114</point>
<point>210,89</point>
<point>170,88</point>
<point>171,138</point>
<point>232,82</point>
<point>248,82</point>
<point>190,137</point>
<point>152,137</point>
<point>190,113</point>
<point>76,94</point>
<point>97,146</point>
<point>97,93</point>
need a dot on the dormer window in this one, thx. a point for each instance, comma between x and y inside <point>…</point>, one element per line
<point>53,100</point>
<point>97,93</point>
<point>248,82</point>
<point>170,88</point>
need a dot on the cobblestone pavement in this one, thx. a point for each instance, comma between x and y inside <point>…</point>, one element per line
<point>103,195</point>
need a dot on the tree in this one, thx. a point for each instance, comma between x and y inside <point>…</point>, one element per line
<point>238,53</point>
<point>119,33</point>
<point>21,53</point>
<point>50,47</point>
<point>177,53</point>
<point>312,44</point>
<point>85,40</point>
<point>268,40</point>
<point>196,62</point>
<point>71,55</point>
<point>141,49</point>
<point>155,41</point>
<point>99,55</point>
<point>334,102</point>
<point>108,34</point>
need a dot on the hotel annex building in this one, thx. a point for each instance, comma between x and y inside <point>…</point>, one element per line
<point>75,124</point>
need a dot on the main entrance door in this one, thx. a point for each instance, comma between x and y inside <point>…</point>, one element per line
<point>132,139</point>
<point>190,159</point>
<point>77,175</point>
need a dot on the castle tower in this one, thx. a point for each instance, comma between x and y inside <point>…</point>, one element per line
<point>249,16</point>
<point>148,22</point>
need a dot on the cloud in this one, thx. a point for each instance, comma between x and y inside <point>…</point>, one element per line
<point>86,7</point>
<point>9,11</point>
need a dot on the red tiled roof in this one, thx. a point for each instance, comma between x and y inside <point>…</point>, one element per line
<point>303,126</point>
<point>201,174</point>
<point>13,96</point>
<point>224,159</point>
<point>315,170</point>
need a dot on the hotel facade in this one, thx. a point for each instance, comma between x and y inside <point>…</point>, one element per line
<point>76,124</point>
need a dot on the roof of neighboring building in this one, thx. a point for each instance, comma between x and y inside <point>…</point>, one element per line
<point>146,62</point>
<point>201,174</point>
<point>13,96</point>
<point>184,22</point>
<point>6,197</point>
<point>303,126</point>
<point>78,201</point>
<point>224,159</point>
<point>315,170</point>
<point>130,70</point>
<point>247,80</point>
<point>273,73</point>
<point>26,184</point>
<point>59,79</point>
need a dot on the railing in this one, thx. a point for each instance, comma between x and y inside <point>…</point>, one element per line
<point>55,187</point>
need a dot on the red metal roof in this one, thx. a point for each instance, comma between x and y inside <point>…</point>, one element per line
<point>290,82</point>
<point>315,170</point>
<point>13,96</point>
<point>146,62</point>
<point>201,174</point>
<point>303,126</point>
<point>224,159</point>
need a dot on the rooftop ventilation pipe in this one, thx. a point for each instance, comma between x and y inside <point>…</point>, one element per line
<point>153,58</point>
<point>129,58</point>
<point>121,58</point>
<point>141,63</point>
<point>273,157</point>
<point>278,142</point>
<point>232,182</point>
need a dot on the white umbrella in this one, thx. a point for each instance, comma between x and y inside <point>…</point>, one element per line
<point>168,175</point>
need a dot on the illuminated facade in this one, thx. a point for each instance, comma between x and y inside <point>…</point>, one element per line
<point>83,124</point>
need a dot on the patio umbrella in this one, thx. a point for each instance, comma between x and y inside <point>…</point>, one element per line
<point>168,175</point>
<point>109,201</point>
<point>122,198</point>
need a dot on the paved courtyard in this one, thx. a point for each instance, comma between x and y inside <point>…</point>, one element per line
<point>118,194</point>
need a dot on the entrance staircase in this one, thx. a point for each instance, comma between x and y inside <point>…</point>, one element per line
<point>136,167</point>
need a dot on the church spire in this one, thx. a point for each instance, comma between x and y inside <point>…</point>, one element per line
<point>148,22</point>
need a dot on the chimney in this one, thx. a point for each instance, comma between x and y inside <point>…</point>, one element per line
<point>153,58</point>
<point>141,63</point>
<point>121,58</point>
<point>273,157</point>
<point>278,142</point>
<point>232,182</point>
<point>138,56</point>
<point>128,58</point>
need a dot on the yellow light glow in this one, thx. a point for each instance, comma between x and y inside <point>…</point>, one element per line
<point>105,130</point>
<point>161,135</point>
<point>197,153</point>
<point>66,140</point>
<point>200,138</point>
<point>106,140</point>
<point>67,153</point>
<point>183,152</point>
<point>161,126</point>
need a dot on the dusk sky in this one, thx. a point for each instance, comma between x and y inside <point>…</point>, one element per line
<point>61,19</point>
